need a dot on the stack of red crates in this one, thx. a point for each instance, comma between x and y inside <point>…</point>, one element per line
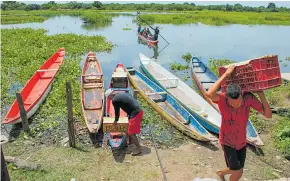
<point>255,75</point>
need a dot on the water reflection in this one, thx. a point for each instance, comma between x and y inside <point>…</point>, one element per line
<point>150,46</point>
<point>96,26</point>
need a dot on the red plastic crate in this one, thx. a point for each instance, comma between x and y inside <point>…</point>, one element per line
<point>255,75</point>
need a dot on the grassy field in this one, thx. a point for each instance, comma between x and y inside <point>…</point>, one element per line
<point>205,17</point>
<point>219,18</point>
<point>21,19</point>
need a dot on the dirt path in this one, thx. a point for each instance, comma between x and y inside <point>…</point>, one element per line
<point>185,163</point>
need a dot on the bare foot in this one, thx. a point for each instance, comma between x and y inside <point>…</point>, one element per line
<point>221,175</point>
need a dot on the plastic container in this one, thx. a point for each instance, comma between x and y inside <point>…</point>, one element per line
<point>254,75</point>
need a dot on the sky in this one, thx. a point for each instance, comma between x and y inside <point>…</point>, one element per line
<point>244,3</point>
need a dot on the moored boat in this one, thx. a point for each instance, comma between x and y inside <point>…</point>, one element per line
<point>37,88</point>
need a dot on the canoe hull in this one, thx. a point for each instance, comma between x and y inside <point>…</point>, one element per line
<point>252,135</point>
<point>180,126</point>
<point>92,89</point>
<point>117,139</point>
<point>149,41</point>
<point>203,121</point>
<point>37,88</point>
<point>36,107</point>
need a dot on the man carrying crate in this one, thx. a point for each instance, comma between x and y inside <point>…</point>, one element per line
<point>131,106</point>
<point>235,109</point>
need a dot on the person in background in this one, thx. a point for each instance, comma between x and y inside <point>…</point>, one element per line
<point>139,29</point>
<point>133,109</point>
<point>235,109</point>
<point>156,32</point>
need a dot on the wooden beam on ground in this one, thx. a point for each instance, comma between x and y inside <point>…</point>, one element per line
<point>4,170</point>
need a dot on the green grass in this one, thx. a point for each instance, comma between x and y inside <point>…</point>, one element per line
<point>43,12</point>
<point>127,29</point>
<point>219,18</point>
<point>86,163</point>
<point>92,17</point>
<point>282,135</point>
<point>178,66</point>
<point>21,19</point>
<point>25,50</point>
<point>214,64</point>
<point>187,57</point>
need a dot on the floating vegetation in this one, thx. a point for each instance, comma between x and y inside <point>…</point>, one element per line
<point>21,19</point>
<point>219,18</point>
<point>126,29</point>
<point>178,66</point>
<point>187,57</point>
<point>93,17</point>
<point>25,50</point>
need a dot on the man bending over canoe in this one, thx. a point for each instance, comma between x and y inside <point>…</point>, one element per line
<point>235,109</point>
<point>130,105</point>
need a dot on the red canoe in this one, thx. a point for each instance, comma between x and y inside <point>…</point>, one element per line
<point>92,93</point>
<point>149,41</point>
<point>37,88</point>
<point>119,83</point>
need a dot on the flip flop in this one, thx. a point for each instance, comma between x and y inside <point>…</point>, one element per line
<point>136,154</point>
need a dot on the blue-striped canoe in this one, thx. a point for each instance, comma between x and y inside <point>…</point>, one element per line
<point>168,107</point>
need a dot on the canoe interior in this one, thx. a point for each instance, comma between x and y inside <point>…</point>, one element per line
<point>37,85</point>
<point>93,93</point>
<point>206,77</point>
<point>186,96</point>
<point>166,102</point>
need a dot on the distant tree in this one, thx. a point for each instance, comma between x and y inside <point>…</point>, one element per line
<point>51,2</point>
<point>229,7</point>
<point>238,7</point>
<point>98,4</point>
<point>32,7</point>
<point>192,4</point>
<point>271,7</point>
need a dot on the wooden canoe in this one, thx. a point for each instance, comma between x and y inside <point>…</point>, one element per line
<point>92,93</point>
<point>149,41</point>
<point>119,83</point>
<point>37,88</point>
<point>168,107</point>
<point>187,97</point>
<point>205,78</point>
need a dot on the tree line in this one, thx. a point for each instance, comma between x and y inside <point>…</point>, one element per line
<point>96,5</point>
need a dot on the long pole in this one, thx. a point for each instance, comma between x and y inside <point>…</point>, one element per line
<point>150,26</point>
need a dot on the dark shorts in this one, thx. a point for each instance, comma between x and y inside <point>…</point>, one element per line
<point>235,159</point>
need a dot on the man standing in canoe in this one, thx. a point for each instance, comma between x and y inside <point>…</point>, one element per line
<point>131,106</point>
<point>156,32</point>
<point>235,109</point>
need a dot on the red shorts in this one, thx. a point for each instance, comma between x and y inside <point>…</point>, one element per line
<point>134,126</point>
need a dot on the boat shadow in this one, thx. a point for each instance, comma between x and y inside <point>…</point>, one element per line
<point>213,145</point>
<point>258,151</point>
<point>120,153</point>
<point>97,138</point>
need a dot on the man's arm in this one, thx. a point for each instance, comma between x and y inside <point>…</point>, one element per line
<point>212,92</point>
<point>117,112</point>
<point>267,112</point>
